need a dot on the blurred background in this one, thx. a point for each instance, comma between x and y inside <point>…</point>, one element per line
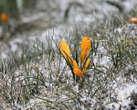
<point>24,14</point>
<point>26,19</point>
<point>21,20</point>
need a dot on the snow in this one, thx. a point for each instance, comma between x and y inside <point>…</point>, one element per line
<point>29,19</point>
<point>123,92</point>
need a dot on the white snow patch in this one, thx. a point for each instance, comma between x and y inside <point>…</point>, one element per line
<point>102,60</point>
<point>32,18</point>
<point>128,6</point>
<point>32,103</point>
<point>14,44</point>
<point>125,92</point>
<point>4,55</point>
<point>114,106</point>
<point>119,30</point>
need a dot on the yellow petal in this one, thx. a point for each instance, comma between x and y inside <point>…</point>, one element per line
<point>75,65</point>
<point>133,20</point>
<point>4,17</point>
<point>86,65</point>
<point>78,72</point>
<point>85,41</point>
<point>64,48</point>
<point>85,48</point>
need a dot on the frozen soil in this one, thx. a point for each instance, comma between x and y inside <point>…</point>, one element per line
<point>33,74</point>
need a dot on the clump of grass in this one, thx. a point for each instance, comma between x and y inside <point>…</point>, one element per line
<point>133,98</point>
<point>17,87</point>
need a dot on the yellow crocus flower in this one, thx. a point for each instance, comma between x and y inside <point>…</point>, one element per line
<point>64,48</point>
<point>85,48</point>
